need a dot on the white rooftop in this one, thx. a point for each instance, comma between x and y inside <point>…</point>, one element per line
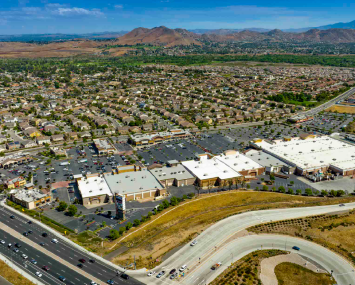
<point>312,153</point>
<point>237,161</point>
<point>210,168</point>
<point>93,186</point>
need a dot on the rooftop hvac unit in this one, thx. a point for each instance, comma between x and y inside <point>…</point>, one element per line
<point>235,164</point>
<point>141,188</point>
<point>205,174</point>
<point>215,163</point>
<point>127,176</point>
<point>101,189</point>
<point>225,171</point>
<point>90,191</point>
<point>87,182</point>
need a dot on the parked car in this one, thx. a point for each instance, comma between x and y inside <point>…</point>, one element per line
<point>161,274</point>
<point>151,273</point>
<point>194,242</point>
<point>183,268</point>
<point>124,276</point>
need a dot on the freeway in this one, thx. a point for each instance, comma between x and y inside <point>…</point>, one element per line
<point>63,249</point>
<point>220,234</point>
<point>328,104</point>
<point>56,269</point>
<point>341,270</point>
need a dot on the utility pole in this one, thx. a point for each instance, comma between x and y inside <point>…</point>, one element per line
<point>134,262</point>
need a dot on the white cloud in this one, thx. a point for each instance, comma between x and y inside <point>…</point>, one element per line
<point>77,11</point>
<point>118,6</point>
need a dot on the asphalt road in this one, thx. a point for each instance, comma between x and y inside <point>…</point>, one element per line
<point>216,238</point>
<point>343,272</point>
<point>56,269</point>
<point>63,249</point>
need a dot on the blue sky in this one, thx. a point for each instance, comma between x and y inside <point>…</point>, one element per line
<point>85,16</point>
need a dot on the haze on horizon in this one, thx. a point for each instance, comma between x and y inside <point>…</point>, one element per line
<point>87,16</point>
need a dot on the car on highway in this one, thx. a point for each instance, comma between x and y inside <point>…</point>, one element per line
<point>54,240</point>
<point>9,245</point>
<point>44,234</point>
<point>341,205</point>
<point>295,248</point>
<point>29,222</point>
<point>39,274</point>
<point>25,234</point>
<point>2,241</point>
<point>183,268</point>
<point>161,273</point>
<point>80,265</point>
<point>151,273</point>
<point>194,242</point>
<point>16,250</point>
<point>62,278</point>
<point>24,256</point>
<point>172,271</point>
<point>93,283</point>
<point>30,232</point>
<point>18,245</point>
<point>42,244</point>
<point>110,282</point>
<point>92,260</point>
<point>82,260</point>
<point>124,276</point>
<point>45,267</point>
<point>216,266</point>
<point>12,217</point>
<point>33,261</point>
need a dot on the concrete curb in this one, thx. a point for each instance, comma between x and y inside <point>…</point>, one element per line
<point>19,270</point>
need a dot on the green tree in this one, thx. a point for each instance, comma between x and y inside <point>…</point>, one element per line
<point>72,210</point>
<point>165,204</point>
<point>129,226</point>
<point>282,189</point>
<point>174,201</point>
<point>292,182</point>
<point>324,193</point>
<point>265,188</point>
<point>121,230</point>
<point>136,222</point>
<point>114,234</point>
<point>298,191</point>
<point>340,193</point>
<point>62,206</point>
<point>308,192</point>
<point>290,191</point>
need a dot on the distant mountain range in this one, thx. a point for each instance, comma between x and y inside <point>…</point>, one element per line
<point>335,33</point>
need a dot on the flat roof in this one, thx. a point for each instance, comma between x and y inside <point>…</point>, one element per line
<point>29,195</point>
<point>265,159</point>
<point>179,172</point>
<point>93,186</point>
<point>132,182</point>
<point>312,153</point>
<point>237,161</point>
<point>210,168</point>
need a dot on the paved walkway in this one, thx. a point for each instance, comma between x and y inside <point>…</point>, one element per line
<point>267,273</point>
<point>3,281</point>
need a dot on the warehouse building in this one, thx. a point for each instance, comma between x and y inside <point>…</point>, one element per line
<point>241,164</point>
<point>312,156</point>
<point>173,175</point>
<point>30,198</point>
<point>135,184</point>
<point>93,190</point>
<point>211,172</point>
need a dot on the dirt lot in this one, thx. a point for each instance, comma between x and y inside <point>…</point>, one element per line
<point>12,276</point>
<point>341,109</point>
<point>184,222</point>
<point>293,274</point>
<point>333,231</point>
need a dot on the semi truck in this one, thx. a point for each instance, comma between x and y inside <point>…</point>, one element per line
<point>65,163</point>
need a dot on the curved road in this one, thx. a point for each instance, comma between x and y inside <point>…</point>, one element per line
<point>216,237</point>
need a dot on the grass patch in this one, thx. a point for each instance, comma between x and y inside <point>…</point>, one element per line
<point>246,270</point>
<point>183,223</point>
<point>335,232</point>
<point>341,109</point>
<point>13,276</point>
<point>293,274</point>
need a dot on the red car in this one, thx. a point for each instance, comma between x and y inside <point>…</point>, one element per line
<point>82,260</point>
<point>45,268</point>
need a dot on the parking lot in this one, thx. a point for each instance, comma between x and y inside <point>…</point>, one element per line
<point>328,123</point>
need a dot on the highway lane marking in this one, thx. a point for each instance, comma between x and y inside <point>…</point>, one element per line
<point>63,271</point>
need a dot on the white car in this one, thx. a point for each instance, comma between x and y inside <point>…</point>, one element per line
<point>39,274</point>
<point>54,240</point>
<point>183,268</point>
<point>93,283</point>
<point>151,273</point>
<point>65,169</point>
<point>24,256</point>
<point>2,241</point>
<point>194,242</point>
